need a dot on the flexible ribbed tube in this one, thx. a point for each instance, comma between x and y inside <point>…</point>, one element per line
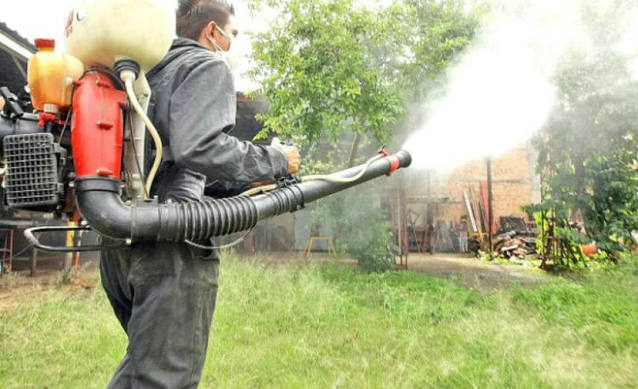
<point>99,202</point>
<point>195,221</point>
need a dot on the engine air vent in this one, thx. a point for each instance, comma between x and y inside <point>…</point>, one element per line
<point>32,173</point>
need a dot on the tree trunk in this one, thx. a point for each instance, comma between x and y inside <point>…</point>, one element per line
<point>353,150</point>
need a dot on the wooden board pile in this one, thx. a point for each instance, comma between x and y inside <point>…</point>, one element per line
<point>515,238</point>
<point>510,244</point>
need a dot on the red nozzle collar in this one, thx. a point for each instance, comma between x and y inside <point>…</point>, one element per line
<point>395,163</point>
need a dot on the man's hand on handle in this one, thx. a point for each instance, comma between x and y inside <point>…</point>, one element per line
<point>291,152</point>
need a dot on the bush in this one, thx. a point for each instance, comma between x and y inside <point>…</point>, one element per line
<point>361,227</point>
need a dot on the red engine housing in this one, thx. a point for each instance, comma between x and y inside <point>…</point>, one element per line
<point>98,126</point>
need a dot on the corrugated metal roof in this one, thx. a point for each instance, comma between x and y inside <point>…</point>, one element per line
<point>17,37</point>
<point>13,67</point>
<point>10,75</point>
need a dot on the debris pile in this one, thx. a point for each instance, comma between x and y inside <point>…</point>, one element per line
<point>512,243</point>
<point>515,238</point>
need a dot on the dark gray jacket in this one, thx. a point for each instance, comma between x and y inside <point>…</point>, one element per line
<point>193,107</point>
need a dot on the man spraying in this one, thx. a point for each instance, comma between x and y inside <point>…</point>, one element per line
<point>164,293</point>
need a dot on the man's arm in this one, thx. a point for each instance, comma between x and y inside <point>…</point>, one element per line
<point>201,107</point>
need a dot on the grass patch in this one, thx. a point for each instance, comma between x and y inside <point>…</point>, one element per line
<point>333,327</point>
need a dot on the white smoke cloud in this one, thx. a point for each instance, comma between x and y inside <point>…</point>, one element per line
<point>501,89</point>
<point>629,43</point>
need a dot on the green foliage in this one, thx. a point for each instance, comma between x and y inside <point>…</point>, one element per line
<point>332,327</point>
<point>597,304</point>
<point>332,67</point>
<point>325,67</point>
<point>66,276</point>
<point>361,226</point>
<point>440,31</point>
<point>55,338</point>
<point>588,149</point>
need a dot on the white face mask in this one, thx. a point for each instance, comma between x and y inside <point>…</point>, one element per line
<point>230,57</point>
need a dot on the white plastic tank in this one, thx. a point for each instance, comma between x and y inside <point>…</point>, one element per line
<point>101,32</point>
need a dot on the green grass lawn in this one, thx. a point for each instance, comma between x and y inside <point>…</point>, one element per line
<point>332,327</point>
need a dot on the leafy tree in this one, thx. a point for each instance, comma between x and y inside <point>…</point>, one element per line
<point>588,148</point>
<point>325,68</point>
<point>334,67</point>
<point>331,68</point>
<point>440,31</point>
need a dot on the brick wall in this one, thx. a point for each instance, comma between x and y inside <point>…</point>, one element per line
<point>514,184</point>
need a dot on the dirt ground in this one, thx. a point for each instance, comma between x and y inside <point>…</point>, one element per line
<point>473,272</point>
<point>462,267</point>
<point>21,284</point>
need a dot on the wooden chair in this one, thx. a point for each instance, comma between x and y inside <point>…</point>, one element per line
<point>313,239</point>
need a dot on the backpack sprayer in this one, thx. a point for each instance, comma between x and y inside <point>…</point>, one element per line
<point>82,152</point>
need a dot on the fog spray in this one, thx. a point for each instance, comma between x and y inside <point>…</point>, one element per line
<point>501,90</point>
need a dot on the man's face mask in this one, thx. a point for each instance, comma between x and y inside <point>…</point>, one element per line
<point>229,56</point>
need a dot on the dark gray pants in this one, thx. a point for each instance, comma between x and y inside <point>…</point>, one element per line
<point>163,294</point>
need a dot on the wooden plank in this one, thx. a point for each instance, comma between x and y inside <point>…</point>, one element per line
<point>470,212</point>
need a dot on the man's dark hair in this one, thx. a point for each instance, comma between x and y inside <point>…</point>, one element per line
<point>194,15</point>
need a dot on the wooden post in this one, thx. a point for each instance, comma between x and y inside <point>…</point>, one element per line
<point>33,261</point>
<point>490,207</point>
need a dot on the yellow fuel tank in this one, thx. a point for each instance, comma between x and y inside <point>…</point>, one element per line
<point>51,74</point>
<point>101,32</point>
